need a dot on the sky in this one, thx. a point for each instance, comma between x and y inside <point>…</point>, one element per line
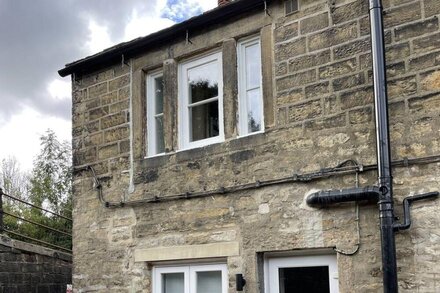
<point>37,38</point>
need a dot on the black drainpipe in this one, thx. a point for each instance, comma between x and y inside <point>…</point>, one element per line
<point>383,194</point>
<point>386,209</point>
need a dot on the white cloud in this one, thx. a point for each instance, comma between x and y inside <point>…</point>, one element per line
<point>60,89</point>
<point>99,37</point>
<point>22,135</point>
<point>205,4</point>
<point>144,25</point>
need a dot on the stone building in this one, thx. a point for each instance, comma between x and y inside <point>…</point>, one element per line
<point>195,148</point>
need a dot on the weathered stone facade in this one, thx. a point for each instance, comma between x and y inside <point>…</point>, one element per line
<point>319,111</point>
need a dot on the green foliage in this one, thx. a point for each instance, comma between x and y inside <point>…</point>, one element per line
<point>48,186</point>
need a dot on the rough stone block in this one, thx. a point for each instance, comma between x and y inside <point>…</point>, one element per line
<point>108,151</point>
<point>286,32</point>
<point>92,126</point>
<point>281,69</point>
<point>79,95</point>
<point>318,89</point>
<point>426,44</point>
<point>428,104</point>
<point>397,52</point>
<point>98,90</point>
<point>416,29</point>
<point>119,82</point>
<point>402,14</point>
<point>349,11</point>
<point>296,80</point>
<point>358,97</point>
<point>98,113</point>
<point>326,123</point>
<point>402,87</point>
<point>338,68</point>
<point>124,146</point>
<point>291,49</point>
<point>348,82</point>
<point>116,134</point>
<point>124,93</point>
<point>119,107</point>
<point>307,110</point>
<point>314,23</point>
<point>360,116</point>
<point>352,48</point>
<point>309,60</point>
<point>431,8</point>
<point>396,69</point>
<point>333,36</point>
<point>82,157</point>
<point>430,81</point>
<point>331,105</point>
<point>109,98</point>
<point>290,97</point>
<point>425,61</point>
<point>113,120</point>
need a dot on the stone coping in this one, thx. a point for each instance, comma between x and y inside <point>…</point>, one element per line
<point>32,248</point>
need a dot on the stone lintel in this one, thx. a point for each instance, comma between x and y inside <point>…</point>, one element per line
<point>213,250</point>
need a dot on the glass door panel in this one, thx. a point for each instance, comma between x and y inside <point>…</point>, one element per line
<point>173,283</point>
<point>209,282</point>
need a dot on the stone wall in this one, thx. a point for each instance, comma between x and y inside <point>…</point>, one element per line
<point>318,111</point>
<point>28,268</point>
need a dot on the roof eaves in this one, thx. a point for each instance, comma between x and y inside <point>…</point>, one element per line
<point>133,47</point>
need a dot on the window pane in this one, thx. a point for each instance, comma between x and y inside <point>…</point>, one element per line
<point>253,66</point>
<point>209,282</point>
<point>158,87</point>
<point>173,283</point>
<point>203,82</point>
<point>204,121</point>
<point>304,280</point>
<point>254,110</point>
<point>160,144</point>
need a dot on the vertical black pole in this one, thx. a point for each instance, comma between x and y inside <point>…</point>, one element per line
<point>386,210</point>
<point>1,211</point>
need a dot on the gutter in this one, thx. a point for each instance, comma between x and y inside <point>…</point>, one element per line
<point>137,46</point>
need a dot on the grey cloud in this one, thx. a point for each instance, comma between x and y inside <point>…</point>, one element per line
<point>38,37</point>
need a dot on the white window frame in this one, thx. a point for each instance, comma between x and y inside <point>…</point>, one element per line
<point>190,275</point>
<point>242,86</point>
<point>151,113</point>
<point>272,266</point>
<point>183,122</point>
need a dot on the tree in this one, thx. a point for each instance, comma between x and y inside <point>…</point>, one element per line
<point>48,186</point>
<point>51,188</point>
<point>51,179</point>
<point>14,182</point>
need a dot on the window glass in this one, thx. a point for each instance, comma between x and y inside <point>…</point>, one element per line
<point>201,102</point>
<point>209,282</point>
<point>203,83</point>
<point>254,110</point>
<point>155,127</point>
<point>253,66</point>
<point>304,280</point>
<point>204,121</point>
<point>158,89</point>
<point>250,100</point>
<point>173,283</point>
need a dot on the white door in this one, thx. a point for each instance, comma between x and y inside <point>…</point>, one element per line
<point>302,274</point>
